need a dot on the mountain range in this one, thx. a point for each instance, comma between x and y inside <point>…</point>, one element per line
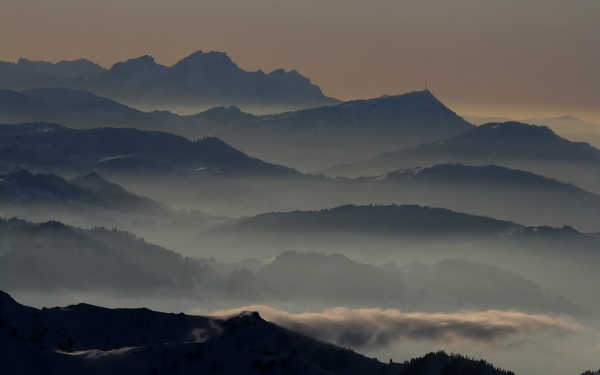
<point>50,147</point>
<point>315,137</point>
<point>209,175</point>
<point>306,139</point>
<point>52,257</point>
<point>390,220</point>
<point>412,233</point>
<point>200,80</point>
<point>528,147</point>
<point>92,201</point>
<point>446,285</point>
<point>89,339</point>
<point>90,191</point>
<point>490,190</point>
<point>120,264</point>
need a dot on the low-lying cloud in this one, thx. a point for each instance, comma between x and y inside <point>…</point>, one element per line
<point>359,328</point>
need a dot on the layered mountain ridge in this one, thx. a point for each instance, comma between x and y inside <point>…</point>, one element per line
<point>202,79</point>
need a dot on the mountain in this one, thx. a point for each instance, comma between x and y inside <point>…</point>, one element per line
<point>332,280</point>
<point>382,233</point>
<point>491,190</point>
<point>446,285</point>
<point>27,74</point>
<point>55,257</point>
<point>89,339</point>
<point>206,174</point>
<point>570,127</point>
<point>89,191</point>
<point>77,108</point>
<point>307,139</point>
<point>92,201</point>
<point>211,176</point>
<point>380,220</point>
<point>200,80</point>
<point>121,150</point>
<point>312,138</point>
<point>528,147</point>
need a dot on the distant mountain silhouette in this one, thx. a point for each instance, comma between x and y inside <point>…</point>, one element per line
<point>52,256</point>
<point>92,201</point>
<point>448,285</point>
<point>201,174</point>
<point>89,191</point>
<point>494,191</point>
<point>567,126</point>
<point>79,109</point>
<point>202,79</point>
<point>307,139</point>
<point>312,138</point>
<point>27,74</point>
<point>390,228</point>
<point>88,339</point>
<point>528,147</point>
<point>120,150</point>
<point>571,127</point>
<point>382,220</point>
<point>416,232</point>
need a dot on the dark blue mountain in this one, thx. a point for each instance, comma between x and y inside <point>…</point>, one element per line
<point>307,139</point>
<point>121,150</point>
<point>89,339</point>
<point>202,79</point>
<point>516,145</point>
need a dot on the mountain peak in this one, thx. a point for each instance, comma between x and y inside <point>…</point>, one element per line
<point>207,59</point>
<point>134,65</point>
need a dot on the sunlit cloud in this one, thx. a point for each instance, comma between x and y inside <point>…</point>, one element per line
<point>360,328</point>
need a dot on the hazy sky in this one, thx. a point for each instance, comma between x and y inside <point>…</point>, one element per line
<point>496,57</point>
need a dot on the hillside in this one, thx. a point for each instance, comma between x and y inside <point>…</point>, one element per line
<point>313,138</point>
<point>307,139</point>
<point>490,190</point>
<point>123,150</point>
<point>89,191</point>
<point>53,257</point>
<point>70,339</point>
<point>516,145</point>
<point>447,285</point>
<point>381,220</point>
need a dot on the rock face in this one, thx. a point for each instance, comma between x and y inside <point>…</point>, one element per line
<point>203,79</point>
<point>88,339</point>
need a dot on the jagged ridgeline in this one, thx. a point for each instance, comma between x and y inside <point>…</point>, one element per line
<point>202,79</point>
